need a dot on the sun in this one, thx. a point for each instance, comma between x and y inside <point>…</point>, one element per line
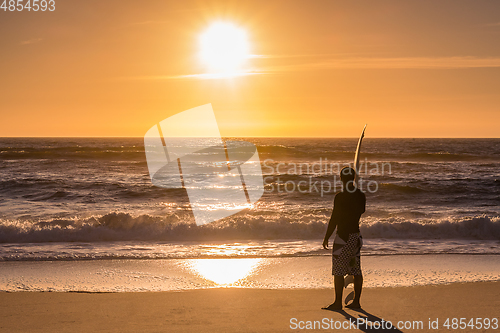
<point>224,47</point>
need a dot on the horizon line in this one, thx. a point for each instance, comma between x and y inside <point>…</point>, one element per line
<point>263,137</point>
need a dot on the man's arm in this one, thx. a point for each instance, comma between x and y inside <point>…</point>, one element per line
<point>332,224</point>
<point>363,208</point>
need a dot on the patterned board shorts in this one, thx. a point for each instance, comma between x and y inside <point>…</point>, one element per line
<point>346,256</point>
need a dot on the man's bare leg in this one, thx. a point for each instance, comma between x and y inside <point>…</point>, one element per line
<point>338,282</point>
<point>358,286</point>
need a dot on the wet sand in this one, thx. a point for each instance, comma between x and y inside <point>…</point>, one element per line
<point>312,272</point>
<point>244,310</point>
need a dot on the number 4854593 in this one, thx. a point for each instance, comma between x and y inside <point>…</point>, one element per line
<point>29,5</point>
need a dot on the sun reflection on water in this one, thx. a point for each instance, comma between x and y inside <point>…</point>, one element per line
<point>225,272</point>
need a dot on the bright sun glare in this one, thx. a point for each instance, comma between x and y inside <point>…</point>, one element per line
<point>224,47</point>
<point>224,271</point>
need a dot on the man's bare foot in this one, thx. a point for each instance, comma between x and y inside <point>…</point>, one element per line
<point>334,307</point>
<point>354,305</point>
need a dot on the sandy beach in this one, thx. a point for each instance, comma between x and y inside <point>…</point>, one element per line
<point>244,310</point>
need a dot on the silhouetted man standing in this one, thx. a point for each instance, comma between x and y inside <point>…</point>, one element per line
<point>348,206</point>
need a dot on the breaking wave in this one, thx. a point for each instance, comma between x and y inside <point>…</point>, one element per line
<point>117,226</point>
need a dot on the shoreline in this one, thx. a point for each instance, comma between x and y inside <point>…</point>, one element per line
<point>236,287</point>
<point>131,275</point>
<point>241,309</point>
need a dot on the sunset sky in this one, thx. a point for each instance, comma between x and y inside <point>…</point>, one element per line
<point>315,69</point>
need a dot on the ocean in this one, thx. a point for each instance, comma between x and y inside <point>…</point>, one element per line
<point>91,199</point>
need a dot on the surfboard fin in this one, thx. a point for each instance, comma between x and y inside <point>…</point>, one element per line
<point>348,280</point>
<point>349,297</point>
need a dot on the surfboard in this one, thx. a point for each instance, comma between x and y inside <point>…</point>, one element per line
<point>350,278</point>
<point>349,297</point>
<point>347,281</point>
<point>358,148</point>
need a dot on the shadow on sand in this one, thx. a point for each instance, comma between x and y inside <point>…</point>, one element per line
<point>367,318</point>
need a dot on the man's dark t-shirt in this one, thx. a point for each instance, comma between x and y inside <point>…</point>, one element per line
<point>347,210</point>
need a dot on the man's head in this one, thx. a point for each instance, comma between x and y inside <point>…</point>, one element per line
<point>347,174</point>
